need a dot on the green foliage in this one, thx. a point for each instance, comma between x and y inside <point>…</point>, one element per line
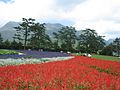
<point>14,45</point>
<point>82,87</point>
<point>66,38</point>
<point>6,44</point>
<point>23,30</point>
<point>90,41</point>
<point>39,38</point>
<point>112,49</point>
<point>56,46</point>
<point>116,43</point>
<point>108,50</point>
<point>1,41</point>
<point>33,35</point>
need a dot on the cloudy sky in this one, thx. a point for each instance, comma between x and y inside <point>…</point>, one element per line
<point>101,15</point>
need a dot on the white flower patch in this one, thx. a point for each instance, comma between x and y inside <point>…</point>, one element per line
<point>11,61</point>
<point>21,54</point>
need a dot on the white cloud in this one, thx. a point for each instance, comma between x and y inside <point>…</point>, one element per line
<point>101,15</point>
<point>25,8</point>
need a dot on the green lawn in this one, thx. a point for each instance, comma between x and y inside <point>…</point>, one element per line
<point>105,57</point>
<point>4,51</point>
<point>102,57</point>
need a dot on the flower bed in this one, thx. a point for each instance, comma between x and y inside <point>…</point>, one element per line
<point>10,61</point>
<point>34,54</point>
<point>79,73</point>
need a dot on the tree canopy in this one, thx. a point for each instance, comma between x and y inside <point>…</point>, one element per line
<point>31,34</point>
<point>23,30</point>
<point>116,43</point>
<point>90,41</point>
<point>66,38</point>
<point>1,41</point>
<point>39,38</point>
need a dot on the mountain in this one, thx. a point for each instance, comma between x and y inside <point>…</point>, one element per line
<point>9,26</point>
<point>8,31</point>
<point>109,41</point>
<point>50,28</point>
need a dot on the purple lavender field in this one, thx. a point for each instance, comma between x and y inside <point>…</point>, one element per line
<point>34,54</point>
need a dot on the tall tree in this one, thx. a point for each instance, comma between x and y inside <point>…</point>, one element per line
<point>48,42</point>
<point>107,50</point>
<point>66,38</point>
<point>6,44</point>
<point>18,35</point>
<point>56,41</point>
<point>14,45</point>
<point>23,30</point>
<point>1,41</point>
<point>90,41</point>
<point>117,45</point>
<point>39,38</point>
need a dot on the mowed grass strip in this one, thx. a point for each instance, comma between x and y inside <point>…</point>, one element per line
<point>103,57</point>
<point>5,51</point>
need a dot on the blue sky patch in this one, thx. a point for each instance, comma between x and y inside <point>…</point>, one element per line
<point>66,4</point>
<point>5,1</point>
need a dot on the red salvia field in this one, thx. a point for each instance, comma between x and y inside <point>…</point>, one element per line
<point>79,73</point>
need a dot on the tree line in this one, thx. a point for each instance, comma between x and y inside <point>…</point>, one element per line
<point>113,49</point>
<point>32,35</point>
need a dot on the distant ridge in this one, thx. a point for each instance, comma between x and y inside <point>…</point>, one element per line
<point>109,41</point>
<point>8,31</point>
<point>9,26</point>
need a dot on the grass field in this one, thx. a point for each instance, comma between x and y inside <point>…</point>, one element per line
<point>103,57</point>
<point>106,57</point>
<point>5,51</point>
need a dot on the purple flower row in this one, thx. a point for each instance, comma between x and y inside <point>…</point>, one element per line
<point>34,54</point>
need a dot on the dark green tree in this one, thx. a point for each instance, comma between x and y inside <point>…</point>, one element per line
<point>6,44</point>
<point>116,43</point>
<point>39,38</point>
<point>1,41</point>
<point>18,35</point>
<point>56,46</point>
<point>20,45</point>
<point>48,42</point>
<point>23,30</point>
<point>107,50</point>
<point>14,45</point>
<point>90,41</point>
<point>66,38</point>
